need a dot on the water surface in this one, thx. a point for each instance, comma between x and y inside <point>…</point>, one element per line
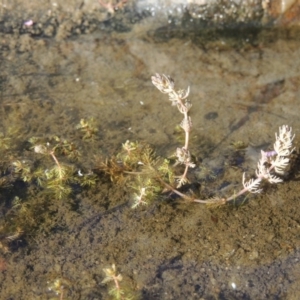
<point>243,87</point>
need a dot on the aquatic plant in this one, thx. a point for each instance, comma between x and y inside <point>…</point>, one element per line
<point>179,99</point>
<point>140,169</point>
<point>87,128</point>
<point>60,286</point>
<point>271,162</point>
<point>116,291</point>
<point>51,167</point>
<point>4,141</point>
<point>149,175</point>
<point>57,178</point>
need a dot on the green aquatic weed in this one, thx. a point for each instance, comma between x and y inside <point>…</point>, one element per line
<point>59,176</point>
<point>87,128</point>
<point>144,172</point>
<point>117,291</point>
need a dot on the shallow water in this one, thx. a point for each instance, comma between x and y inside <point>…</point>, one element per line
<point>242,90</point>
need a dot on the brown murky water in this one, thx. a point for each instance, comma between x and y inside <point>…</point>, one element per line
<point>242,90</point>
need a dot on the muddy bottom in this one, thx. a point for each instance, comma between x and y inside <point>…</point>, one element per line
<point>242,90</point>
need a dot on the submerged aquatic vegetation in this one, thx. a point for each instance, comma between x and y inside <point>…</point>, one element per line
<point>117,291</point>
<point>271,162</point>
<point>179,99</point>
<point>149,175</point>
<point>87,128</point>
<point>51,170</point>
<point>58,177</point>
<point>138,166</point>
<point>60,286</point>
<point>6,138</point>
<point>4,141</point>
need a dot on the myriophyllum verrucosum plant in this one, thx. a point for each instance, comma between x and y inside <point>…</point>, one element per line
<point>270,164</point>
<point>179,99</point>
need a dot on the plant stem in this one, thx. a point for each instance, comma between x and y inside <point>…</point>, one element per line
<point>57,163</point>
